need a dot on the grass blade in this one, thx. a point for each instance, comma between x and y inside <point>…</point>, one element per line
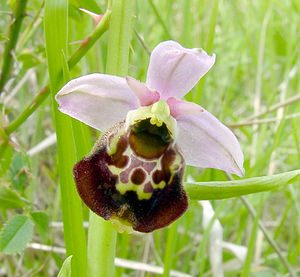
<point>56,22</point>
<point>228,189</point>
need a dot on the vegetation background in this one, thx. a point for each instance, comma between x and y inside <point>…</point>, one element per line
<point>254,88</point>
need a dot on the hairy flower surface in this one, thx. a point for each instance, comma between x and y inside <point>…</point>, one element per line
<point>134,174</point>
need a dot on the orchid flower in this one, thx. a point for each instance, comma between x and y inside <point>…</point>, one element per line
<point>134,174</point>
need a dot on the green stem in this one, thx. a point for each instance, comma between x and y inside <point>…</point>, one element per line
<point>119,37</point>
<point>167,34</point>
<point>246,269</point>
<point>31,28</point>
<point>14,32</point>
<point>37,101</point>
<point>90,40</point>
<point>142,42</point>
<point>102,239</point>
<point>209,44</point>
<point>170,249</point>
<point>268,237</point>
<point>273,108</point>
<point>74,59</point>
<point>212,26</point>
<point>271,241</point>
<point>101,236</point>
<point>56,30</point>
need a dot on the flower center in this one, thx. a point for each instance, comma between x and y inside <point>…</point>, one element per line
<point>143,163</point>
<point>149,141</point>
<point>154,119</point>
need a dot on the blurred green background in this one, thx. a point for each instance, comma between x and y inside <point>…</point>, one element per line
<point>254,88</point>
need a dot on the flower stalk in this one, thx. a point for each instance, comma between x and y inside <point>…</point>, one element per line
<point>102,236</point>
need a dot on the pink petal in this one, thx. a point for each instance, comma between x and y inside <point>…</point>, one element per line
<point>98,100</point>
<point>175,70</point>
<point>142,92</point>
<point>204,140</point>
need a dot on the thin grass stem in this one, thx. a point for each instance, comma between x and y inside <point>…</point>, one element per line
<point>14,31</point>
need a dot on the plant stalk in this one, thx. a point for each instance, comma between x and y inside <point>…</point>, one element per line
<point>102,236</point>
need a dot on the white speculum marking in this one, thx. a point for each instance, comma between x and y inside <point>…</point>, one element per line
<point>147,167</point>
<point>138,174</point>
<point>123,187</point>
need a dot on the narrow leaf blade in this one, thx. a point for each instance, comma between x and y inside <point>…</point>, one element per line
<point>228,189</point>
<point>66,270</point>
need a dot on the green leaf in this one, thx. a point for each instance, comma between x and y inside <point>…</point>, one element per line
<point>15,235</point>
<point>56,34</point>
<point>65,270</point>
<point>19,172</point>
<point>9,199</point>
<point>228,189</point>
<point>41,221</point>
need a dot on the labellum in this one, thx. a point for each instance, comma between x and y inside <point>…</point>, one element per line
<point>134,175</point>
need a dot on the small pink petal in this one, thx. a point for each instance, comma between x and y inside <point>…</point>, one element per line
<point>143,93</point>
<point>175,70</point>
<point>204,140</point>
<point>179,107</point>
<point>99,100</point>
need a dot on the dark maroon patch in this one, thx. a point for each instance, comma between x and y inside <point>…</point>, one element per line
<point>138,176</point>
<point>164,174</point>
<point>164,207</point>
<point>96,184</point>
<point>168,158</point>
<point>97,188</point>
<point>158,176</point>
<point>118,159</point>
